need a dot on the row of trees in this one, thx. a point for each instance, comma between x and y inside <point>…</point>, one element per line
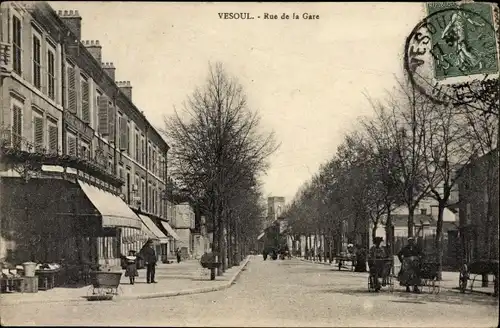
<point>218,153</point>
<point>410,149</point>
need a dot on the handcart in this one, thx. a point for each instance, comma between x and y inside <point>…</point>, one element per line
<point>105,284</point>
<point>478,268</point>
<point>385,273</point>
<point>429,272</point>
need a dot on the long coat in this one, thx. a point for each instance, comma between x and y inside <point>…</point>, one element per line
<point>149,255</point>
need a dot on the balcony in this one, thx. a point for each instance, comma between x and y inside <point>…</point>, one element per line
<point>5,58</point>
<point>15,149</point>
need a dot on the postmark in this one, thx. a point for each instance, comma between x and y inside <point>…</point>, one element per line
<point>452,42</point>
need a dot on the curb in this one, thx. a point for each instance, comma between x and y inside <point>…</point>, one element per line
<point>144,296</point>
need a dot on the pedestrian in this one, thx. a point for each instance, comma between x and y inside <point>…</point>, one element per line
<point>178,254</point>
<point>131,266</point>
<point>376,258</point>
<point>410,257</point>
<point>150,259</point>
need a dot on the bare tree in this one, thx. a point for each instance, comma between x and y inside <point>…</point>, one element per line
<point>216,144</point>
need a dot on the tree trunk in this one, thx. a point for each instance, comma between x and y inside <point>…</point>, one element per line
<point>388,231</point>
<point>411,211</point>
<point>439,238</point>
<point>229,237</point>
<point>374,231</point>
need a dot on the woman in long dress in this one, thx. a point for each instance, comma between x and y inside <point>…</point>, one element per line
<point>131,269</point>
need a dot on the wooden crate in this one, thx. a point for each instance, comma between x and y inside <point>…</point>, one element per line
<point>30,284</point>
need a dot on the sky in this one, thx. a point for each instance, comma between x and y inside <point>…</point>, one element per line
<point>306,78</point>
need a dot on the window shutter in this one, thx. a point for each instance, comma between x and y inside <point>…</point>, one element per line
<point>17,126</point>
<point>71,145</point>
<point>111,128</point>
<point>38,129</point>
<point>103,105</point>
<point>123,133</point>
<point>53,139</point>
<point>72,101</point>
<point>127,137</point>
<point>85,102</point>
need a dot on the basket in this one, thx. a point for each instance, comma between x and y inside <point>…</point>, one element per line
<point>103,279</point>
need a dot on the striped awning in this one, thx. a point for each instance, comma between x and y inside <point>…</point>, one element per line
<point>114,211</point>
<point>170,231</point>
<point>153,230</point>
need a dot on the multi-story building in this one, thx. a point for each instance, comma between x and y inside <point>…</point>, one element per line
<point>83,172</point>
<point>183,223</point>
<point>478,203</point>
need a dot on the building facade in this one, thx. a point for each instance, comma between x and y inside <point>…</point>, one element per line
<point>478,204</point>
<point>83,171</point>
<point>184,223</point>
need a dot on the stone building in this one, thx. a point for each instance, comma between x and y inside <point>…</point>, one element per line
<point>83,172</point>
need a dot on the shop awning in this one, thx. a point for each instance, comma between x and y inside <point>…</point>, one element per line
<point>114,211</point>
<point>170,231</point>
<point>260,236</point>
<point>151,226</point>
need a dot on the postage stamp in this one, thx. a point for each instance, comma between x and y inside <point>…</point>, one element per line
<point>453,41</point>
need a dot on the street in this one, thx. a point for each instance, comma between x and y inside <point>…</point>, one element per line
<point>275,293</point>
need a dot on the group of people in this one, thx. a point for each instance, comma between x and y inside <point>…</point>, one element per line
<point>380,263</point>
<point>148,255</point>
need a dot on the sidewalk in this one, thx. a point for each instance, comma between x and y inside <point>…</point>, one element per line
<point>449,281</point>
<point>187,277</point>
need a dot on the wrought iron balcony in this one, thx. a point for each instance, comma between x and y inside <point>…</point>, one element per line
<point>18,150</point>
<point>5,58</point>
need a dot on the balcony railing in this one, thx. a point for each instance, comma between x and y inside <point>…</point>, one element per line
<point>17,149</point>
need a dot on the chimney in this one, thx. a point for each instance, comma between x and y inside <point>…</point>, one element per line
<point>110,69</point>
<point>125,87</point>
<point>94,48</point>
<point>73,21</point>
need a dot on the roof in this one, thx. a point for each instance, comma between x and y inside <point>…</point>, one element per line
<point>401,220</point>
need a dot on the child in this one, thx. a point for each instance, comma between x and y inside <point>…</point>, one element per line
<point>131,270</point>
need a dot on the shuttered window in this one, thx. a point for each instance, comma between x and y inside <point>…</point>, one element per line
<point>123,133</point>
<point>37,68</point>
<point>38,132</point>
<point>17,45</point>
<point>72,96</point>
<point>53,138</point>
<point>111,116</point>
<point>71,145</point>
<point>85,150</point>
<point>17,126</point>
<point>85,100</point>
<point>51,75</point>
<point>103,107</point>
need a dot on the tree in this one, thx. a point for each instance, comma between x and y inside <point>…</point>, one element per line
<point>216,145</point>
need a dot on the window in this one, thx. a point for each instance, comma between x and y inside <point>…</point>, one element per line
<point>71,89</point>
<point>423,211</point>
<point>137,145</point>
<point>71,144</point>
<point>53,136</point>
<point>37,68</point>
<point>85,150</point>
<point>143,192</point>
<point>143,150</point>
<point>51,75</point>
<point>17,126</point>
<point>84,85</point>
<point>16,45</point>
<point>38,129</point>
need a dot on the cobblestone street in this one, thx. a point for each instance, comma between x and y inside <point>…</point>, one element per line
<point>275,293</point>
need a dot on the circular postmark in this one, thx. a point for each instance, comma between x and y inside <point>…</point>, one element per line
<point>451,44</point>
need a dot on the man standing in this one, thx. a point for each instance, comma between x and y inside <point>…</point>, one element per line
<point>410,257</point>
<point>150,259</point>
<point>376,258</point>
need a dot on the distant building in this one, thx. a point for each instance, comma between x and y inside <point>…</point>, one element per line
<point>275,208</point>
<point>478,204</point>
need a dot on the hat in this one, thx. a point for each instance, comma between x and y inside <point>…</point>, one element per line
<point>411,238</point>
<point>378,239</point>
